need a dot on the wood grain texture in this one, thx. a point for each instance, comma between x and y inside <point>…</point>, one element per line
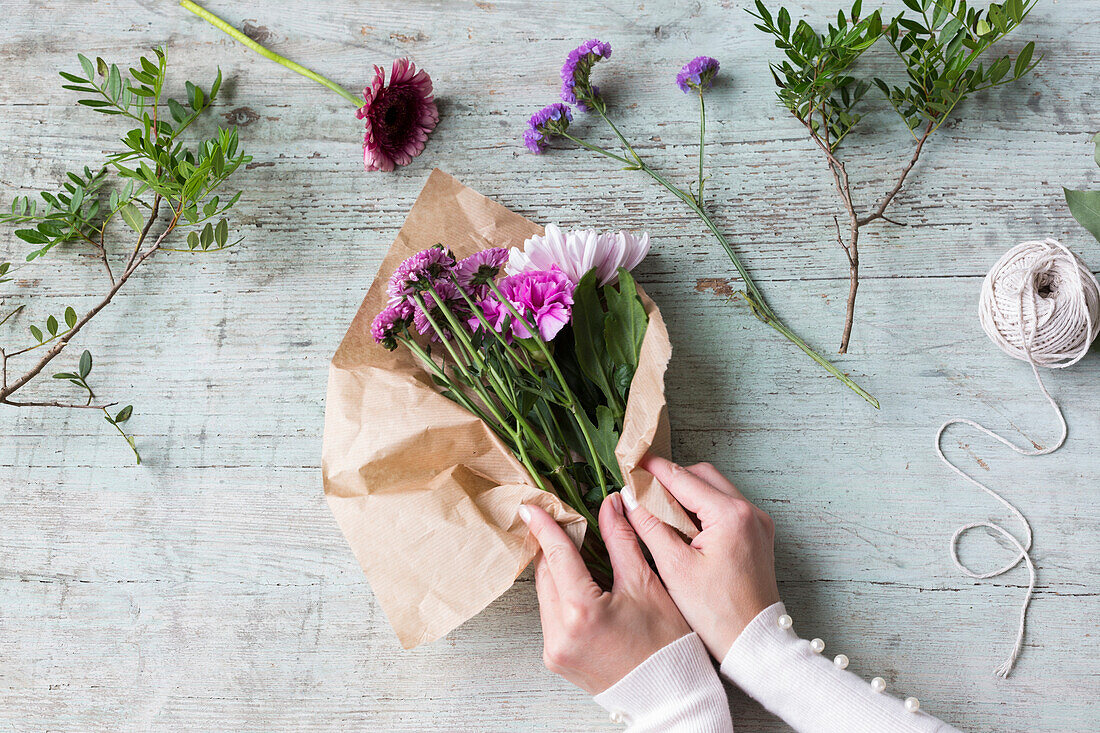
<point>210,589</point>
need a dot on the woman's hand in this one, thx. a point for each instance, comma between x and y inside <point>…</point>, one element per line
<point>590,637</point>
<point>726,576</point>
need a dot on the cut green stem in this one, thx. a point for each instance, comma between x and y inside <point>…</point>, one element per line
<point>702,135</point>
<point>269,54</point>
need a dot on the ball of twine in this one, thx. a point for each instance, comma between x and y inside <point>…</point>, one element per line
<point>1041,304</point>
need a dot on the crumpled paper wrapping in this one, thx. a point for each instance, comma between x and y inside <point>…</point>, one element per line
<point>426,495</point>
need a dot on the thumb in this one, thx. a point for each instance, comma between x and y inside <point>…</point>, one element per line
<point>627,561</point>
<point>664,543</point>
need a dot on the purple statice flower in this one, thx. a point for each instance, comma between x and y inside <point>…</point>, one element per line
<point>449,294</point>
<point>389,321</point>
<point>576,87</point>
<point>475,271</point>
<point>551,120</point>
<point>697,74</point>
<point>418,272</point>
<point>543,297</point>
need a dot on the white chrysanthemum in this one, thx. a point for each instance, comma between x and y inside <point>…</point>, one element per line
<point>577,251</point>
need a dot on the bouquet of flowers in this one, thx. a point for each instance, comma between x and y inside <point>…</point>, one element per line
<point>544,355</point>
<point>508,365</point>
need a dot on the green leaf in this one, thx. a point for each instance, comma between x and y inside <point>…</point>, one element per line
<point>1024,59</point>
<point>124,414</point>
<point>37,333</point>
<point>65,375</point>
<point>588,334</point>
<point>1095,140</point>
<point>70,317</point>
<point>1085,207</point>
<point>32,236</point>
<point>178,111</point>
<point>85,367</point>
<point>606,439</point>
<point>624,375</point>
<point>216,86</point>
<point>131,214</point>
<point>626,321</point>
<point>86,64</point>
<point>51,325</point>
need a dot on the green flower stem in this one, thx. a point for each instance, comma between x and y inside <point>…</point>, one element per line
<point>702,134</point>
<point>752,294</point>
<point>522,423</point>
<point>269,54</point>
<point>501,427</point>
<point>572,405</point>
<point>557,473</point>
<point>434,368</point>
<point>488,328</point>
<point>460,364</point>
<point>598,149</point>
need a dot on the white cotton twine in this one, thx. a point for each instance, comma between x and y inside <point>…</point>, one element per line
<point>1040,304</point>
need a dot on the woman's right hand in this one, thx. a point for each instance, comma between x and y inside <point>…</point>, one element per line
<point>726,576</point>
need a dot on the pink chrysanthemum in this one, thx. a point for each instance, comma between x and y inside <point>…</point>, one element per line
<point>388,322</point>
<point>417,273</point>
<point>449,295</point>
<point>398,116</point>
<point>479,268</point>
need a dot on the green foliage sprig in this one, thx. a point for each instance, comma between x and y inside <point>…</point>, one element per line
<point>941,45</point>
<point>1085,205</point>
<point>158,185</point>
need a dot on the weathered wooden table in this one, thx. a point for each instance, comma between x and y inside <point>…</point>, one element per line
<point>210,589</point>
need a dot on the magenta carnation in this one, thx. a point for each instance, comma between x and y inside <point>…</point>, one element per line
<point>398,117</point>
<point>576,87</point>
<point>542,297</point>
<point>697,74</point>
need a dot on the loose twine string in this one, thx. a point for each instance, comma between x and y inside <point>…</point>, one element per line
<point>1040,304</point>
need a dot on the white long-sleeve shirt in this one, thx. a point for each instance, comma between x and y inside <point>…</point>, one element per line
<point>677,690</point>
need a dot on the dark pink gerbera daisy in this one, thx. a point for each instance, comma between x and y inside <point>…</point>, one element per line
<point>398,116</point>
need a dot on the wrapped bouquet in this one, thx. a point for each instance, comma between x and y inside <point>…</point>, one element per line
<point>492,364</point>
<point>543,356</point>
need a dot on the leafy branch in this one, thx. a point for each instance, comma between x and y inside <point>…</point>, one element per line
<point>940,44</point>
<point>160,186</point>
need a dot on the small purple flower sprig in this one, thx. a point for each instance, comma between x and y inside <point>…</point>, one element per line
<point>698,76</point>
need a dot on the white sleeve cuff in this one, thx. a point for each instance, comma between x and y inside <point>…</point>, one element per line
<point>674,691</point>
<point>807,690</point>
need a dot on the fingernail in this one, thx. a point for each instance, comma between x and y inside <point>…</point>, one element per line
<point>616,502</point>
<point>628,498</point>
<point>524,513</point>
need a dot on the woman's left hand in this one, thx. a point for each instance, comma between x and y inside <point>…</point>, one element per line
<point>591,637</point>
